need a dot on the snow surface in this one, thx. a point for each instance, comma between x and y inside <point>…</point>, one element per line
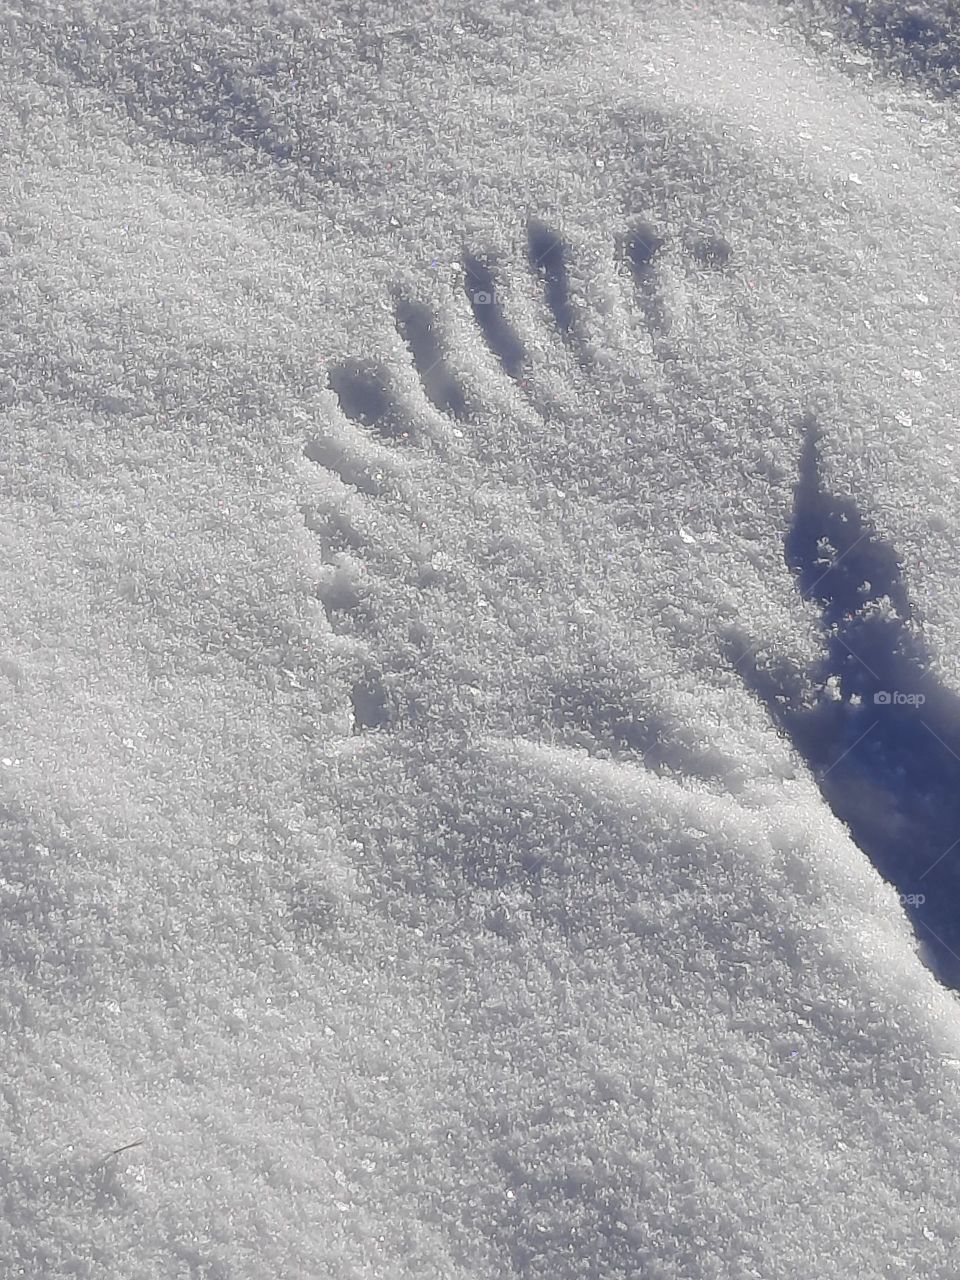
<point>416,852</point>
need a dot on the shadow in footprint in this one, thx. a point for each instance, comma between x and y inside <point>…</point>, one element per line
<point>639,250</point>
<point>880,734</point>
<point>362,387</point>
<point>709,250</point>
<point>548,259</point>
<point>371,707</point>
<point>480,286</point>
<point>641,246</point>
<point>416,325</point>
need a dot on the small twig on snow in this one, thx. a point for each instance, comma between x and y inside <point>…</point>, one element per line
<point>110,1154</point>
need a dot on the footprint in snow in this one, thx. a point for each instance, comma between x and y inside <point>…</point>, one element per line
<point>393,417</point>
<point>879,733</point>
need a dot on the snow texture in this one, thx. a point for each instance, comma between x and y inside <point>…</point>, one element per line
<point>481,618</point>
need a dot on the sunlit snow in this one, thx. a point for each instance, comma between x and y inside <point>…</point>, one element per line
<point>481,592</point>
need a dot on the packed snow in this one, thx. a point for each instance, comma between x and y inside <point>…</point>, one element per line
<point>481,622</point>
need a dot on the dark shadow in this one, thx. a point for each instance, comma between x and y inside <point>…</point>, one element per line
<point>920,43</point>
<point>481,289</point>
<point>548,259</point>
<point>880,734</point>
<point>370,707</point>
<point>362,387</point>
<point>639,249</point>
<point>416,325</point>
<point>928,41</point>
<point>709,250</point>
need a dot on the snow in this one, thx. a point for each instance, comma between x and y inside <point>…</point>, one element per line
<point>424,848</point>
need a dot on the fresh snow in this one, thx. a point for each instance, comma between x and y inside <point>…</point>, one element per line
<point>467,473</point>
